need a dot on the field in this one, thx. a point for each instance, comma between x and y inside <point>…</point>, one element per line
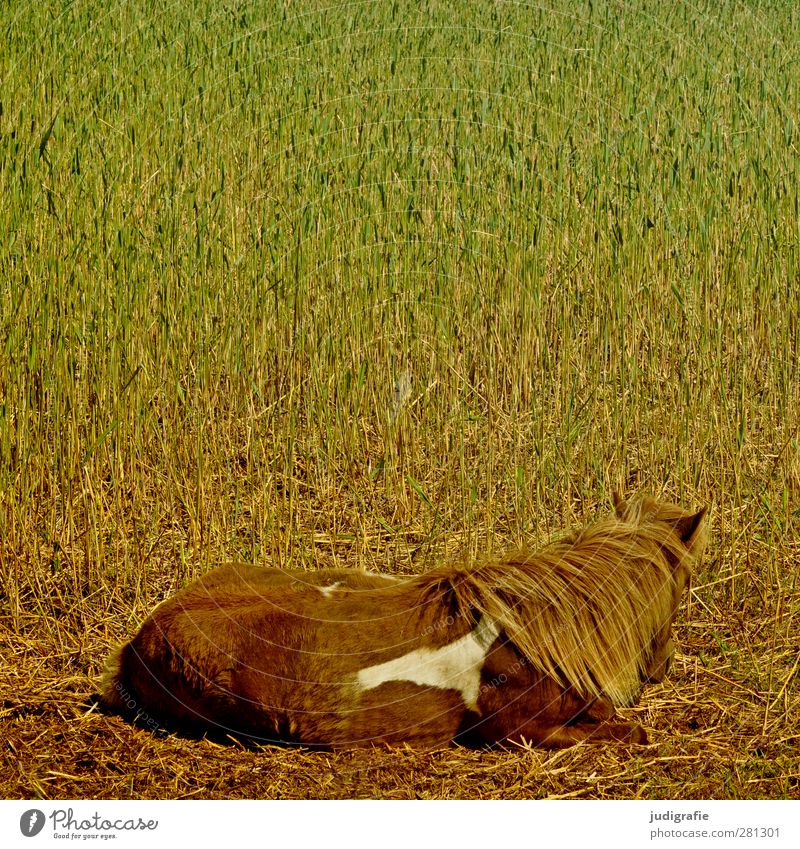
<point>371,283</point>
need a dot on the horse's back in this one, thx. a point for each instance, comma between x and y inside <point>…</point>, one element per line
<point>243,575</point>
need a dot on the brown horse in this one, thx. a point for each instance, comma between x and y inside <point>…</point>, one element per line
<point>533,647</point>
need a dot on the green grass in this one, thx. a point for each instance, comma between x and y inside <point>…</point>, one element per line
<point>377,281</point>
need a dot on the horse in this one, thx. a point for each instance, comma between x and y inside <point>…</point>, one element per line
<point>538,648</point>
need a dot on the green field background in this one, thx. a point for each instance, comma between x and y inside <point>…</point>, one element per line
<point>384,283</point>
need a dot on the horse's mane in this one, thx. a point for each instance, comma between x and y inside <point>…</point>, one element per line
<point>585,609</point>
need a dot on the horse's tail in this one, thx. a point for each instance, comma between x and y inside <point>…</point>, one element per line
<point>116,689</point>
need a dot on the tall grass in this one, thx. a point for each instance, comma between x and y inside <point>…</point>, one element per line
<point>370,280</point>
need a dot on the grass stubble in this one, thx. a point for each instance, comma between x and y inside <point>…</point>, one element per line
<point>309,284</point>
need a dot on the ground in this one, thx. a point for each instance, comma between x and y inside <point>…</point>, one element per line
<point>717,731</point>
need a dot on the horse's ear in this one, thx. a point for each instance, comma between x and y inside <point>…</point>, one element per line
<point>619,504</point>
<point>691,529</point>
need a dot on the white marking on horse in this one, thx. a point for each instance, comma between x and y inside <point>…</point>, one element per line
<point>456,666</point>
<point>326,591</point>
